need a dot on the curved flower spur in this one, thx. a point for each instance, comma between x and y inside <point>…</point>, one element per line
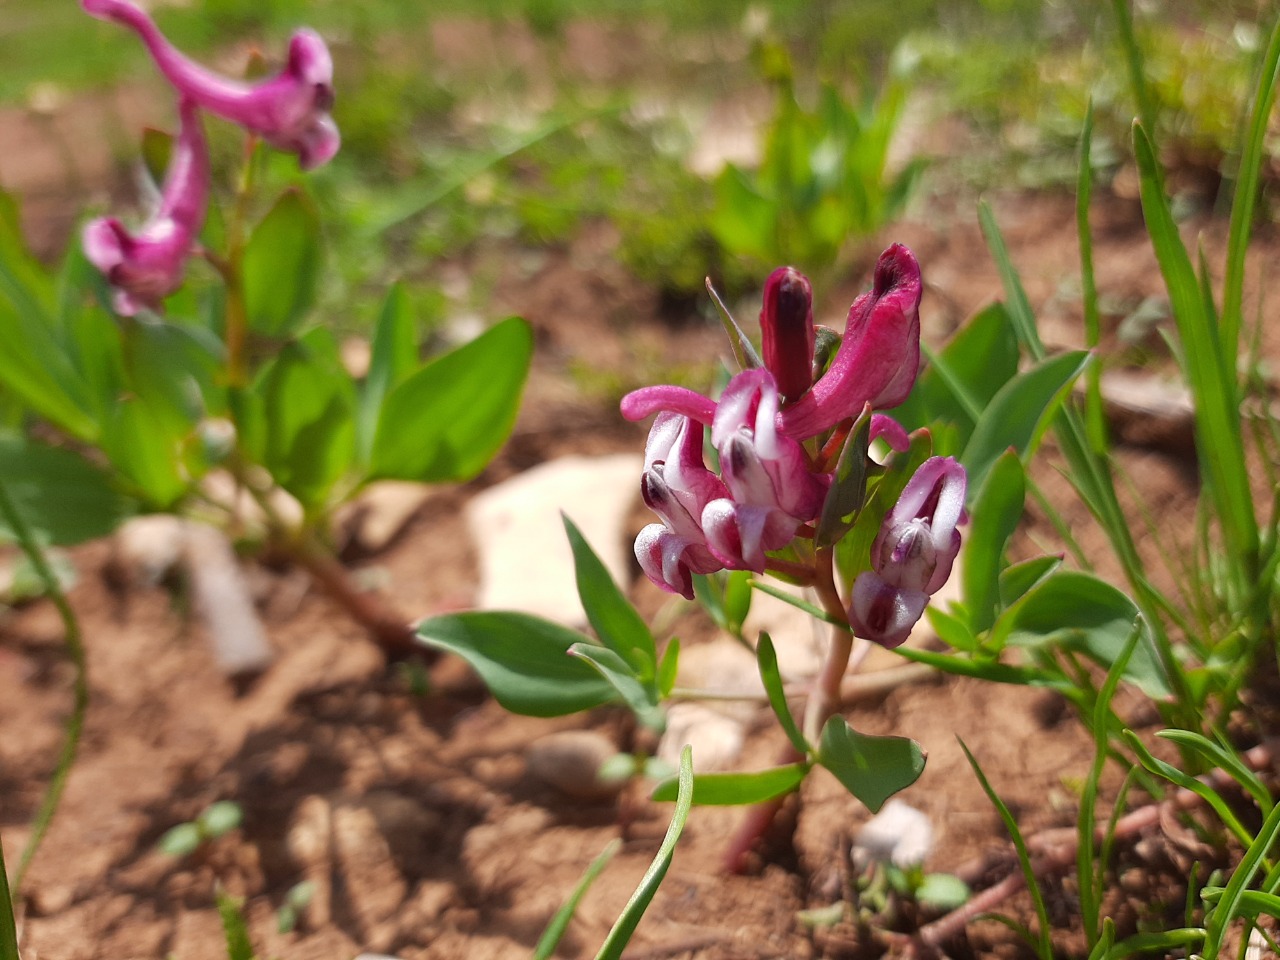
<point>778,431</point>
<point>146,265</point>
<point>290,110</point>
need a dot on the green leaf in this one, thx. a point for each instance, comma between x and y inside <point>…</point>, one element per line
<point>737,789</point>
<point>180,841</point>
<point>873,769</point>
<point>8,925</point>
<point>626,923</point>
<point>235,930</point>
<point>1044,948</point>
<point>308,404</point>
<point>523,660</point>
<point>24,282</point>
<point>743,220</point>
<point>614,619</point>
<point>744,351</point>
<point>146,447</point>
<point>551,937</point>
<point>960,380</point>
<point>1230,904</point>
<point>221,817</point>
<point>942,891</point>
<point>1213,385</point>
<point>1244,203</point>
<point>767,659</point>
<point>61,496</point>
<point>848,487</point>
<point>992,670</point>
<point>737,599</point>
<point>282,266</point>
<point>1083,613</point>
<point>1019,578</point>
<point>445,422</point>
<point>993,517</point>
<point>1227,760</point>
<point>1020,413</point>
<point>39,373</point>
<point>951,629</point>
<point>642,698</point>
<point>668,668</point>
<point>394,357</point>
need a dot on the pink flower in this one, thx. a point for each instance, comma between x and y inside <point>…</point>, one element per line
<point>912,555</point>
<point>677,486</point>
<point>147,265</point>
<point>879,356</point>
<point>290,110</point>
<point>770,488</point>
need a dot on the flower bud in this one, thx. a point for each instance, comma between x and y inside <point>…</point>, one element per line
<point>786,326</point>
<point>879,355</point>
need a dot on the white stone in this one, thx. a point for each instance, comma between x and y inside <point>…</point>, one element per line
<point>148,547</point>
<point>381,512</point>
<point>899,834</point>
<point>717,739</point>
<point>525,560</point>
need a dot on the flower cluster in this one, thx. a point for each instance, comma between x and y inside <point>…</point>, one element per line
<point>290,111</point>
<point>770,485</point>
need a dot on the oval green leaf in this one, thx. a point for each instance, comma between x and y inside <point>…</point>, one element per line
<point>873,769</point>
<point>523,660</point>
<point>445,422</point>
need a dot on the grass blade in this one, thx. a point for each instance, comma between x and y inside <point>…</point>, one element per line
<point>626,924</point>
<point>26,538</point>
<point>560,922</point>
<point>1089,880</point>
<point>1246,198</point>
<point>1043,947</point>
<point>1133,60</point>
<point>1213,385</point>
<point>1229,906</point>
<point>1095,422</point>
<point>8,927</point>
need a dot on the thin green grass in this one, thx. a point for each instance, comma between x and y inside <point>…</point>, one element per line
<point>75,651</point>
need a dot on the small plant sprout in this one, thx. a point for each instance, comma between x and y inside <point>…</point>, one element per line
<point>216,820</point>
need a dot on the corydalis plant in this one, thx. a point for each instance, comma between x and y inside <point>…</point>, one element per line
<point>777,430</point>
<point>289,110</point>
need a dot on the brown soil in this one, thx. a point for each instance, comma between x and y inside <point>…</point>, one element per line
<point>416,817</point>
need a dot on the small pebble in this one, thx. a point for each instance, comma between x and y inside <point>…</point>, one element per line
<point>571,760</point>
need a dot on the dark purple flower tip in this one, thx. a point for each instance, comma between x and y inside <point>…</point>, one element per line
<point>787,331</point>
<point>879,355</point>
<point>883,613</point>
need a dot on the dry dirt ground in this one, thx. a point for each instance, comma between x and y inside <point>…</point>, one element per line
<point>416,816</point>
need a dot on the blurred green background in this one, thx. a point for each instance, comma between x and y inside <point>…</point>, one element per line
<point>480,129</point>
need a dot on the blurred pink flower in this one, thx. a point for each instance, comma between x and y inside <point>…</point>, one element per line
<point>147,265</point>
<point>289,110</point>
